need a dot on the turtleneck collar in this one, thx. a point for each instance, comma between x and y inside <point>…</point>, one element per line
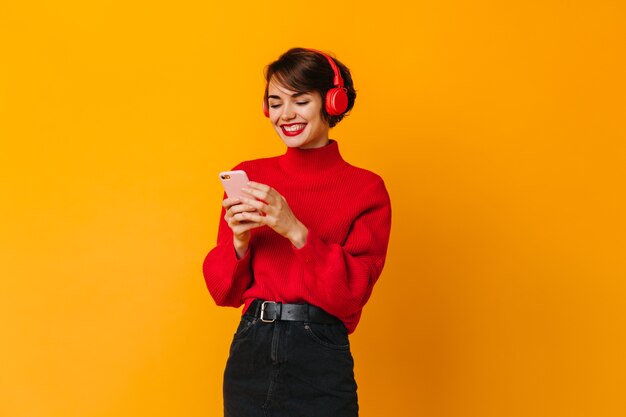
<point>311,160</point>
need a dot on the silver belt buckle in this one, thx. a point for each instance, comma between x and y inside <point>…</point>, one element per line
<point>263,319</point>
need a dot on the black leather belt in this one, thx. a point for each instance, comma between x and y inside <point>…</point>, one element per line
<point>270,311</point>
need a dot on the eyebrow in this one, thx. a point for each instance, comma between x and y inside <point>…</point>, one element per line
<point>294,95</point>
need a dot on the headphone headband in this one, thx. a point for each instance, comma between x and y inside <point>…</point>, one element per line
<point>337,80</point>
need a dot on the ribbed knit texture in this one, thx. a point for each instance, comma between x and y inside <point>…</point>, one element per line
<point>348,215</point>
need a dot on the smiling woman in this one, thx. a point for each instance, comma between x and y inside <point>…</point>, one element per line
<point>302,265</point>
<point>299,112</point>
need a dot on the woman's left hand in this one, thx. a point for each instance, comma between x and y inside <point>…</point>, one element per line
<point>273,211</point>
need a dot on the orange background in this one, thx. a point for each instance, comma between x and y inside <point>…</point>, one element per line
<point>499,128</point>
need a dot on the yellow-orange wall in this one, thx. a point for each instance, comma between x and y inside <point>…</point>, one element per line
<point>498,126</point>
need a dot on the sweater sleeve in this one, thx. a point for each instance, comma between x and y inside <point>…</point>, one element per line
<point>341,276</point>
<point>226,276</point>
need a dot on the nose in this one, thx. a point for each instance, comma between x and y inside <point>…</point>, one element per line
<point>288,112</point>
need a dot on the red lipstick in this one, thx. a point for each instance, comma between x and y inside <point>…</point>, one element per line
<point>293,129</point>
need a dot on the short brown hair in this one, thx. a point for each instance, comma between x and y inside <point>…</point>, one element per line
<point>304,70</point>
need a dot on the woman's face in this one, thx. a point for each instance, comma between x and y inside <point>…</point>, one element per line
<point>297,117</point>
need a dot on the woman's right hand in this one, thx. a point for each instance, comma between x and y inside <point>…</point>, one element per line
<point>240,226</point>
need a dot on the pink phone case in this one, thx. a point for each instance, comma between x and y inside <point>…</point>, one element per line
<point>233,182</point>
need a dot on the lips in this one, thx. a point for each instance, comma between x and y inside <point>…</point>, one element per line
<point>293,129</point>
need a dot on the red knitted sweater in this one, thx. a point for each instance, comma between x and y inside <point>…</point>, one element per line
<point>348,215</point>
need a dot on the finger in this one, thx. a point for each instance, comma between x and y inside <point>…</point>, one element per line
<point>265,189</point>
<point>258,186</point>
<point>236,222</point>
<point>229,202</point>
<point>266,196</point>
<point>240,208</point>
<point>257,217</point>
<point>256,204</point>
<point>241,224</point>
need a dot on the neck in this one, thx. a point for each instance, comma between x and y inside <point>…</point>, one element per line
<point>319,144</point>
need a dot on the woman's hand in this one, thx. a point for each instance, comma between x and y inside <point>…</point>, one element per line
<point>238,224</point>
<point>271,209</point>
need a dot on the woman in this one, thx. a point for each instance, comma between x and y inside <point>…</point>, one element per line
<point>302,252</point>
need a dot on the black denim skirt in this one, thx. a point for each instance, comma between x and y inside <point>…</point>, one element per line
<point>290,369</point>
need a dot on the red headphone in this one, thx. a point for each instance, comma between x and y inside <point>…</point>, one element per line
<point>336,97</point>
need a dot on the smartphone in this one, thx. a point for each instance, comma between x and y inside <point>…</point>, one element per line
<point>233,182</point>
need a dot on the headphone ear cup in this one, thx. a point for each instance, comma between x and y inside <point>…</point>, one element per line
<point>266,111</point>
<point>336,101</point>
